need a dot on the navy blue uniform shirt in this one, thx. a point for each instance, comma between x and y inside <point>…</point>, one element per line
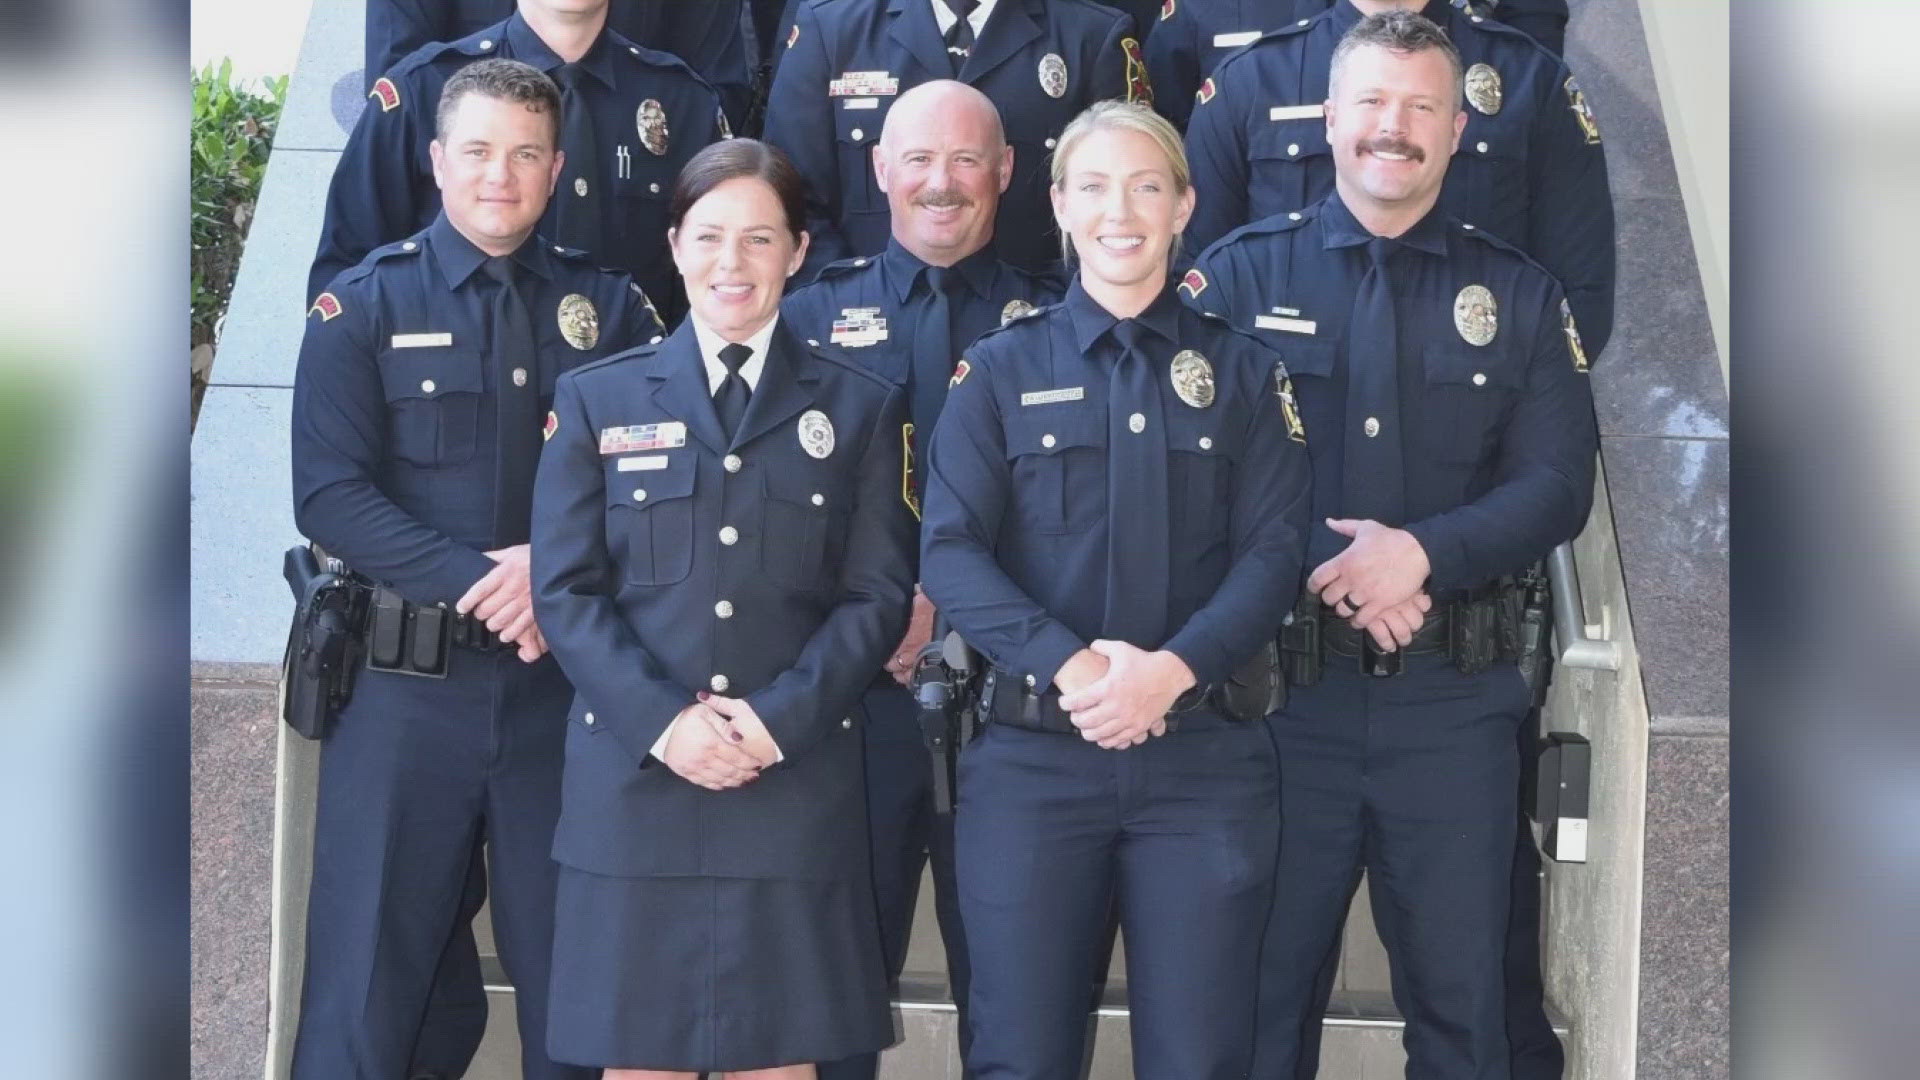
<point>1531,171</point>
<point>383,187</point>
<point>1014,547</point>
<point>1498,439</point>
<point>394,399</point>
<point>872,308</point>
<point>845,61</point>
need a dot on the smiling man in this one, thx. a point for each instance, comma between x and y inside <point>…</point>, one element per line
<point>908,314</point>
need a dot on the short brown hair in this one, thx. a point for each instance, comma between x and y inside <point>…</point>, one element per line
<point>504,80</point>
<point>1399,32</point>
<point>736,159</point>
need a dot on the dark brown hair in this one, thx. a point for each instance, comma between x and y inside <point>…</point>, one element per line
<point>735,159</point>
<point>1398,32</point>
<point>505,80</point>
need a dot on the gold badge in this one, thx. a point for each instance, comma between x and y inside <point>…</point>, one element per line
<point>1193,378</point>
<point>1476,315</point>
<point>1195,283</point>
<point>1053,75</point>
<point>1015,309</point>
<point>816,433</point>
<point>959,373</point>
<point>1483,88</point>
<point>651,120</point>
<point>1577,101</point>
<point>1289,408</point>
<point>552,425</point>
<point>906,470</point>
<point>579,322</point>
<point>1139,87</point>
<point>720,121</point>
<point>1573,337</point>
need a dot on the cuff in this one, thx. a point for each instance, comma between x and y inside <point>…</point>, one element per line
<point>1047,653</point>
<point>1446,561</point>
<point>1201,654</point>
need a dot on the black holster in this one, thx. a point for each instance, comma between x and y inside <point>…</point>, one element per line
<point>1255,690</point>
<point>323,647</point>
<point>944,688</point>
<point>1535,600</point>
<point>1300,645</point>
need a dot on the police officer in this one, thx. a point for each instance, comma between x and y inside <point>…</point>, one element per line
<point>631,117</point>
<point>707,35</point>
<point>721,561</point>
<point>1529,168</point>
<point>907,314</point>
<point>1193,35</point>
<point>846,61</point>
<point>1115,518</point>
<point>1443,383</point>
<point>417,404</point>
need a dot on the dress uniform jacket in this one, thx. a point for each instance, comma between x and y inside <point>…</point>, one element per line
<point>1040,61</point>
<point>706,35</point>
<point>1530,168</point>
<point>667,561</point>
<point>383,187</point>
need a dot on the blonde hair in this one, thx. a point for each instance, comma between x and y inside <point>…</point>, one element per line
<point>1116,115</point>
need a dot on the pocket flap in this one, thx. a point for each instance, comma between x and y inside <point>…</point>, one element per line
<point>429,373</point>
<point>1457,363</point>
<point>1050,429</point>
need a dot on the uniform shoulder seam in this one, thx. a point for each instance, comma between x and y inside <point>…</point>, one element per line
<point>840,360</point>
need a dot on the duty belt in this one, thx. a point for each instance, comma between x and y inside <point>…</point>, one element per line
<point>1473,629</point>
<point>412,639</point>
<point>1005,698</point>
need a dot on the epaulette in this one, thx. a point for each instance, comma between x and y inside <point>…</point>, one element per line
<point>1292,28</point>
<point>1462,228</point>
<point>832,354</point>
<point>1273,223</point>
<point>654,57</point>
<point>841,267</point>
<point>575,254</point>
<point>1010,324</point>
<point>638,352</point>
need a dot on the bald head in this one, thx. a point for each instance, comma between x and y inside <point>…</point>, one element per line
<point>943,161</point>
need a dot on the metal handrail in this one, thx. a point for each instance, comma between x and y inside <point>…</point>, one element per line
<point>1570,624</point>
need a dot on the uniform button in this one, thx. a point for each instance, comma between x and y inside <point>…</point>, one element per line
<point>1206,443</point>
<point>729,535</point>
<point>1136,423</point>
<point>654,340</point>
<point>1372,427</point>
<point>731,463</point>
<point>1466,226</point>
<point>653,189</point>
<point>1480,146</point>
<point>1293,148</point>
<point>857,134</point>
<point>588,719</point>
<point>719,684</point>
<point>1050,143</point>
<point>633,50</point>
<point>486,43</point>
<point>580,186</point>
<point>1479,378</point>
<point>860,261</point>
<point>1477,18</point>
<point>1046,441</point>
<point>815,342</point>
<point>408,246</point>
<point>639,494</point>
<point>819,499</point>
<point>426,386</point>
<point>1293,215</point>
<point>724,609</point>
<point>847,722</point>
<point>558,250</point>
<point>1304,22</point>
<point>519,376</point>
<point>1030,682</point>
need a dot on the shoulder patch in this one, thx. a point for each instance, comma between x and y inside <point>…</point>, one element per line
<point>1206,91</point>
<point>1289,406</point>
<point>327,305</point>
<point>387,93</point>
<point>1194,283</point>
<point>1166,10</point>
<point>793,35</point>
<point>1139,88</point>
<point>1579,351</point>
<point>1582,112</point>
<point>552,425</point>
<point>960,371</point>
<point>906,469</point>
<point>720,121</point>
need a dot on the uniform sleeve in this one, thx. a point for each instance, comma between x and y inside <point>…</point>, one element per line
<point>370,201</point>
<point>1268,523</point>
<point>339,443</point>
<point>1570,228</point>
<point>1217,156</point>
<point>968,481</point>
<point>875,591</point>
<point>1543,478</point>
<point>1173,63</point>
<point>574,582</point>
<point>1545,21</point>
<point>397,27</point>
<point>639,323</point>
<point>800,122</point>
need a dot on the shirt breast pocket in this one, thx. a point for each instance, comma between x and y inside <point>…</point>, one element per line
<point>806,512</point>
<point>1486,183</point>
<point>1283,156</point>
<point>1058,456</point>
<point>1469,391</point>
<point>642,200</point>
<point>1320,402</point>
<point>650,520</point>
<point>433,405</point>
<point>855,133</point>
<point>1200,474</point>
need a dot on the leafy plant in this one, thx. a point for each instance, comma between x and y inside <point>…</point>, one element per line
<point>232,134</point>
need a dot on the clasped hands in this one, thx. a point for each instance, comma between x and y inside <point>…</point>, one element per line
<point>503,599</point>
<point>1118,694</point>
<point>719,742</point>
<point>1376,584</point>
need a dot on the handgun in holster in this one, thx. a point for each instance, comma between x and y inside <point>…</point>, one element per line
<point>1535,600</point>
<point>1257,689</point>
<point>944,677</point>
<point>323,645</point>
<point>1300,655</point>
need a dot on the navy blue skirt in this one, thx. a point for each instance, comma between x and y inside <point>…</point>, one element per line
<point>701,974</point>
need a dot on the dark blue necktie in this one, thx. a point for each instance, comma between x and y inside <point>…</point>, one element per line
<point>730,401</point>
<point>1373,473</point>
<point>959,36</point>
<point>577,201</point>
<point>933,354</point>
<point>1138,560</point>
<point>516,393</point>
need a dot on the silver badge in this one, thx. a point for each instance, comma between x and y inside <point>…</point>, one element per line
<point>1483,88</point>
<point>580,186</point>
<point>651,121</point>
<point>816,433</point>
<point>579,322</point>
<point>1193,378</point>
<point>1053,75</point>
<point>1014,310</point>
<point>1476,315</point>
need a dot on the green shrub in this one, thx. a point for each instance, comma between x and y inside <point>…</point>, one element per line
<point>232,134</point>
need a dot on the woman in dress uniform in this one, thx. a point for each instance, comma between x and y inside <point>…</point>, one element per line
<point>1115,517</point>
<point>720,563</point>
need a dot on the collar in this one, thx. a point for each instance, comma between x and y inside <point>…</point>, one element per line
<point>944,18</point>
<point>458,258</point>
<point>1090,320</point>
<point>904,269</point>
<point>529,48</point>
<point>1341,229</point>
<point>1345,14</point>
<point>711,343</point>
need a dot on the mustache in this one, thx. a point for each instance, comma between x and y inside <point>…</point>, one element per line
<point>943,199</point>
<point>1394,146</point>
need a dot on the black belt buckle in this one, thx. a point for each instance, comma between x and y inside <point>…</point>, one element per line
<point>1378,662</point>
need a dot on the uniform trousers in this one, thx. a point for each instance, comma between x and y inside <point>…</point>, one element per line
<point>906,835</point>
<point>417,774</point>
<point>1413,778</point>
<point>1178,833</point>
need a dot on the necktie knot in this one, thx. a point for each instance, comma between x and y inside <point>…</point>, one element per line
<point>568,76</point>
<point>735,357</point>
<point>500,269</point>
<point>962,8</point>
<point>1129,334</point>
<point>943,280</point>
<point>1379,248</point>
